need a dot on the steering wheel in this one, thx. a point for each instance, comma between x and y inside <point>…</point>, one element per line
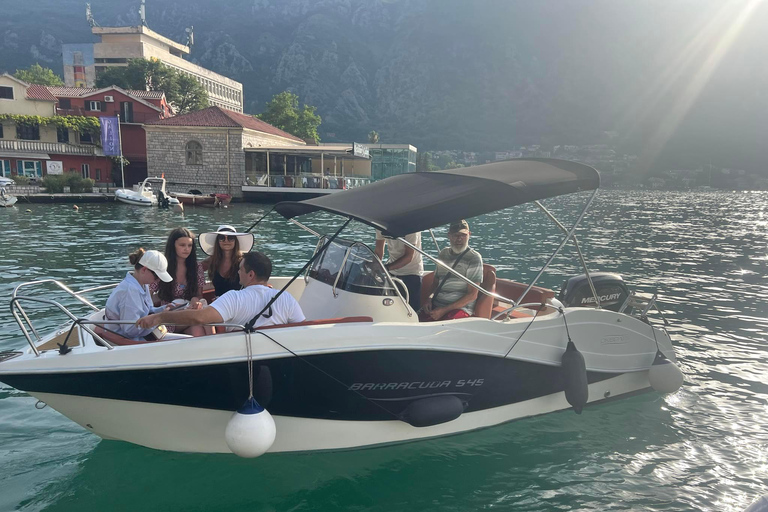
<point>367,273</point>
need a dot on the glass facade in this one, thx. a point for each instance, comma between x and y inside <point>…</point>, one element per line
<point>391,161</point>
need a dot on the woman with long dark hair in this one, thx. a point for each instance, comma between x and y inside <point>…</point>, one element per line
<point>188,275</point>
<point>225,248</point>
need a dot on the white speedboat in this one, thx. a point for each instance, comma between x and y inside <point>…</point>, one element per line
<point>151,192</point>
<point>6,198</point>
<point>362,370</point>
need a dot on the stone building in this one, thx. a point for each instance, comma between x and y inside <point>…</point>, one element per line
<point>205,150</point>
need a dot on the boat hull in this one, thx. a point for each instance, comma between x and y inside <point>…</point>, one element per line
<point>130,197</point>
<point>343,385</point>
<point>192,429</point>
<point>8,201</point>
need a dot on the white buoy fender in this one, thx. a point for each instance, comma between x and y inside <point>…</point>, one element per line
<point>251,431</point>
<point>664,375</point>
<point>575,378</point>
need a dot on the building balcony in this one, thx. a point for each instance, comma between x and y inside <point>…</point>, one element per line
<point>134,118</point>
<point>58,148</point>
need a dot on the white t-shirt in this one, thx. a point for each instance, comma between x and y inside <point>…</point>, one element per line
<point>240,306</point>
<point>397,248</point>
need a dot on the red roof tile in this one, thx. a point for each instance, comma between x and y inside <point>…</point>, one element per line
<point>79,92</point>
<point>40,92</point>
<point>222,118</point>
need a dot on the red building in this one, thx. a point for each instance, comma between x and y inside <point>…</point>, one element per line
<point>134,108</point>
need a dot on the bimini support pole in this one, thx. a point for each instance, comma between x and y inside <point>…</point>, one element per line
<point>560,247</point>
<point>578,250</point>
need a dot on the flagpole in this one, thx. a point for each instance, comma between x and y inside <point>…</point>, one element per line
<point>120,138</point>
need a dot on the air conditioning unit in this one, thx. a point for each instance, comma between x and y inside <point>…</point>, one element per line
<point>109,99</point>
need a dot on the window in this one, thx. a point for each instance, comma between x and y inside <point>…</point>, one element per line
<point>194,153</point>
<point>29,168</point>
<point>6,93</point>
<point>85,138</point>
<point>65,103</point>
<point>1,131</point>
<point>86,169</point>
<point>126,111</point>
<point>28,132</point>
<point>5,168</point>
<point>98,174</point>
<point>94,105</point>
<point>62,135</point>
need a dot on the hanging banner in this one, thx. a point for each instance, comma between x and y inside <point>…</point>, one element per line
<point>110,136</point>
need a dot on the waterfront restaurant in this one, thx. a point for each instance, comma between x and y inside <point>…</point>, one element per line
<point>299,172</point>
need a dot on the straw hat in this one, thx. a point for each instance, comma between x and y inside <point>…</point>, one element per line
<point>208,240</point>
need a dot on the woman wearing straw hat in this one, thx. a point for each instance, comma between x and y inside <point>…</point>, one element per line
<point>225,248</point>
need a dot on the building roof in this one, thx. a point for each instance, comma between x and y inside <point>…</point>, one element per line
<point>79,92</point>
<point>40,92</point>
<point>217,117</point>
<point>33,91</point>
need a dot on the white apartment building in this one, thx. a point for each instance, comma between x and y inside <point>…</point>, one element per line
<point>82,62</point>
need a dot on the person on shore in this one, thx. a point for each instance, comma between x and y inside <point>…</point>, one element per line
<point>225,248</point>
<point>239,306</point>
<point>188,276</point>
<point>131,299</point>
<point>404,263</point>
<point>452,297</point>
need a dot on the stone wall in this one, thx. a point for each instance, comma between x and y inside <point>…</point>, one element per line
<point>166,154</point>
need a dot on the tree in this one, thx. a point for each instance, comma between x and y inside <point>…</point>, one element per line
<point>283,112</point>
<point>183,92</point>
<point>373,137</point>
<point>37,74</point>
<point>424,162</point>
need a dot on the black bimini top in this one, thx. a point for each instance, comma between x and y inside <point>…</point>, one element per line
<point>413,202</point>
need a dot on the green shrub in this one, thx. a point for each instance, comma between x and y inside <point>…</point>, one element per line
<point>54,183</point>
<point>21,180</point>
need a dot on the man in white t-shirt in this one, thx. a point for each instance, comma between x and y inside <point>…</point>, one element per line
<point>239,306</point>
<point>403,263</point>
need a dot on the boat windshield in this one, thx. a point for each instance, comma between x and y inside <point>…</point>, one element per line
<point>352,267</point>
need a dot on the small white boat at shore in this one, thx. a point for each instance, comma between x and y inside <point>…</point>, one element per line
<point>6,199</point>
<point>147,195</point>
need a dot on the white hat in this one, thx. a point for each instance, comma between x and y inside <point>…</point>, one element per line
<point>208,240</point>
<point>156,262</point>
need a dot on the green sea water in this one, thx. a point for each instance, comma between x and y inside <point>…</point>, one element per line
<point>702,448</point>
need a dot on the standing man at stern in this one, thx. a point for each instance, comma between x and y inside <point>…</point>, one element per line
<point>404,263</point>
<point>452,297</point>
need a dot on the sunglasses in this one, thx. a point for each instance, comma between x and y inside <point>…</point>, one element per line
<point>226,238</point>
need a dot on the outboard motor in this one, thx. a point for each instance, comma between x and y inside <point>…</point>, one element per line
<point>610,288</point>
<point>162,200</point>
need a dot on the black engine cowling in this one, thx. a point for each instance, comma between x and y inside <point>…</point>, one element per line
<point>610,288</point>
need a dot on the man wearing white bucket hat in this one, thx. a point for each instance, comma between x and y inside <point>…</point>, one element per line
<point>225,248</point>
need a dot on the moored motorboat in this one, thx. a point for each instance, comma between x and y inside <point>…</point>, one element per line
<point>362,370</point>
<point>6,198</point>
<point>147,194</point>
<point>211,200</point>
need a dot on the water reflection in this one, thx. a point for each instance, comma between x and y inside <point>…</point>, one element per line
<point>704,448</point>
